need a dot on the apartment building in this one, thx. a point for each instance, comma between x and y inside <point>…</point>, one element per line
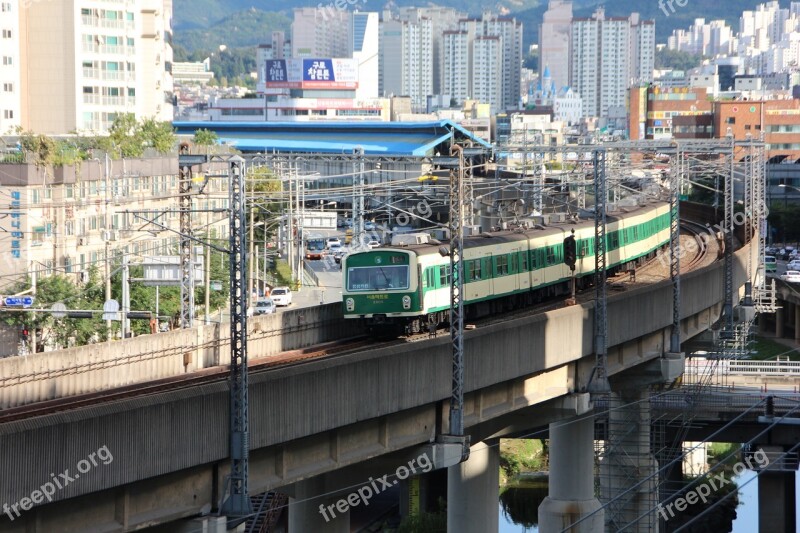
<point>321,32</point>
<point>83,63</point>
<point>608,56</point>
<point>554,35</point>
<point>66,219</point>
<point>406,60</point>
<point>11,95</point>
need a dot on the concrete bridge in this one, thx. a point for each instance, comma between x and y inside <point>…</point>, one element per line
<point>318,426</point>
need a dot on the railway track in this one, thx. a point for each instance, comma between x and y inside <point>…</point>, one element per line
<point>702,237</point>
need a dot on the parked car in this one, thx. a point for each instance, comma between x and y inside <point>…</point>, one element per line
<point>282,296</point>
<point>369,225</point>
<point>794,264</point>
<point>265,307</point>
<point>332,241</point>
<point>373,243</point>
<point>791,276</point>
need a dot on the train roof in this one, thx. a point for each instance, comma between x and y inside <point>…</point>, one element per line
<point>520,234</point>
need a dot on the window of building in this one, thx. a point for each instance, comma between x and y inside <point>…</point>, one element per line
<point>8,60</point>
<point>8,87</point>
<point>8,114</point>
<point>730,120</point>
<point>6,34</point>
<point>5,7</point>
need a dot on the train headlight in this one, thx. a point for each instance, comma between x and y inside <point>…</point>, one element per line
<point>406,302</point>
<point>350,304</point>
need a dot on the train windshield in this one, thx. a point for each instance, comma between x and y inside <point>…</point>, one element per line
<point>377,278</point>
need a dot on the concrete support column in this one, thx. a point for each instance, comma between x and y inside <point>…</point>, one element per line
<point>627,461</point>
<point>776,502</point>
<point>473,491</point>
<point>571,487</point>
<point>305,513</point>
<point>797,323</point>
<point>779,319</point>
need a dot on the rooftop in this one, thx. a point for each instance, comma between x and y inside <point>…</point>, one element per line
<point>376,138</point>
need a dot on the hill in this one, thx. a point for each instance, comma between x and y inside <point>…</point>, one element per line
<point>215,15</point>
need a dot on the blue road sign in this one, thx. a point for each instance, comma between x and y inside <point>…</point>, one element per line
<point>18,301</point>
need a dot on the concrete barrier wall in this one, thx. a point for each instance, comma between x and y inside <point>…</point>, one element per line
<point>96,367</point>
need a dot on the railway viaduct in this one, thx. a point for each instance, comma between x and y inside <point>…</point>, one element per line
<point>317,426</point>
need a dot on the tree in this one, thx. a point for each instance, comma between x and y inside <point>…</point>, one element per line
<point>129,138</point>
<point>158,135</point>
<point>204,137</point>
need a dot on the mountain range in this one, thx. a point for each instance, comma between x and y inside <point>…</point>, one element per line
<point>210,23</point>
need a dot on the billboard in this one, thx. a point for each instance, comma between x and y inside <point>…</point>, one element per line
<point>328,73</point>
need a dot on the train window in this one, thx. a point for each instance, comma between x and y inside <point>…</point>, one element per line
<point>551,255</point>
<point>537,259</point>
<point>524,260</point>
<point>444,275</point>
<point>474,270</point>
<point>501,264</point>
<point>613,240</point>
<point>377,278</point>
<point>636,233</point>
<point>514,263</point>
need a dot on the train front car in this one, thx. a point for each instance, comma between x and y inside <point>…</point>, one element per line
<point>381,287</point>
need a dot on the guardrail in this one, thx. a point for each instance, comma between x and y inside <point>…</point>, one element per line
<point>309,276</point>
<point>743,367</point>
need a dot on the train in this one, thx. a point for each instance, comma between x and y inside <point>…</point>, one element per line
<point>406,289</point>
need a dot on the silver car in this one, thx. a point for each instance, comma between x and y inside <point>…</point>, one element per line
<point>265,307</point>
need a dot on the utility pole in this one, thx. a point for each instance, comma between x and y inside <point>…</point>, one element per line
<point>238,502</point>
<point>187,269</point>
<point>126,297</point>
<point>107,262</point>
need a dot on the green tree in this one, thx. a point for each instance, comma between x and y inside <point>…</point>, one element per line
<point>62,332</point>
<point>205,137</point>
<point>128,137</point>
<point>158,135</point>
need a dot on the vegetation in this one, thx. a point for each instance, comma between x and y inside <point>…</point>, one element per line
<point>673,59</point>
<point>765,348</point>
<point>522,455</point>
<point>128,137</point>
<point>784,219</point>
<point>204,137</point>
<point>424,523</point>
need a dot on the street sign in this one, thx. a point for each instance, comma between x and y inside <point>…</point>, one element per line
<point>59,310</point>
<point>18,301</point>
<point>111,310</point>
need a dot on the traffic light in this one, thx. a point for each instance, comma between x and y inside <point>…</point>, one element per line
<point>24,333</point>
<point>79,314</point>
<point>570,251</point>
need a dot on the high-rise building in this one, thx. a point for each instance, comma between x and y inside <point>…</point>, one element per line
<point>364,49</point>
<point>554,35</point>
<point>608,56</point>
<point>406,60</point>
<point>509,30</point>
<point>10,66</point>
<point>81,64</point>
<point>487,70</point>
<point>321,32</point>
<point>442,19</point>
<point>457,47</point>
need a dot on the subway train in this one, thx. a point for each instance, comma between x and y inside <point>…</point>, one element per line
<point>406,289</point>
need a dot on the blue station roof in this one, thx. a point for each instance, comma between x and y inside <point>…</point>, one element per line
<point>376,138</point>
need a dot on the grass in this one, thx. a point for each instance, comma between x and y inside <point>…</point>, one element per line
<point>521,455</point>
<point>765,348</point>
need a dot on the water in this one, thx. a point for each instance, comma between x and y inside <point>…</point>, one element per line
<point>519,504</point>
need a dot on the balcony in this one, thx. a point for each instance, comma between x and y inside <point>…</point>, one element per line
<point>112,49</point>
<point>113,75</point>
<point>92,73</point>
<point>114,24</point>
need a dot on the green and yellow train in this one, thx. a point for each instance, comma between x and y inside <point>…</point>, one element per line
<point>404,289</point>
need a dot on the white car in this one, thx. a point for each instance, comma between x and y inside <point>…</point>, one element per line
<point>331,241</point>
<point>791,276</point>
<point>373,244</point>
<point>281,296</point>
<point>794,264</point>
<point>335,248</point>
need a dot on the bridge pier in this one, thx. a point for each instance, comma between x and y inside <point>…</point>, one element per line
<point>628,462</point>
<point>309,510</point>
<point>776,495</point>
<point>473,491</point>
<point>797,324</point>
<point>571,487</point>
<point>779,320</point>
